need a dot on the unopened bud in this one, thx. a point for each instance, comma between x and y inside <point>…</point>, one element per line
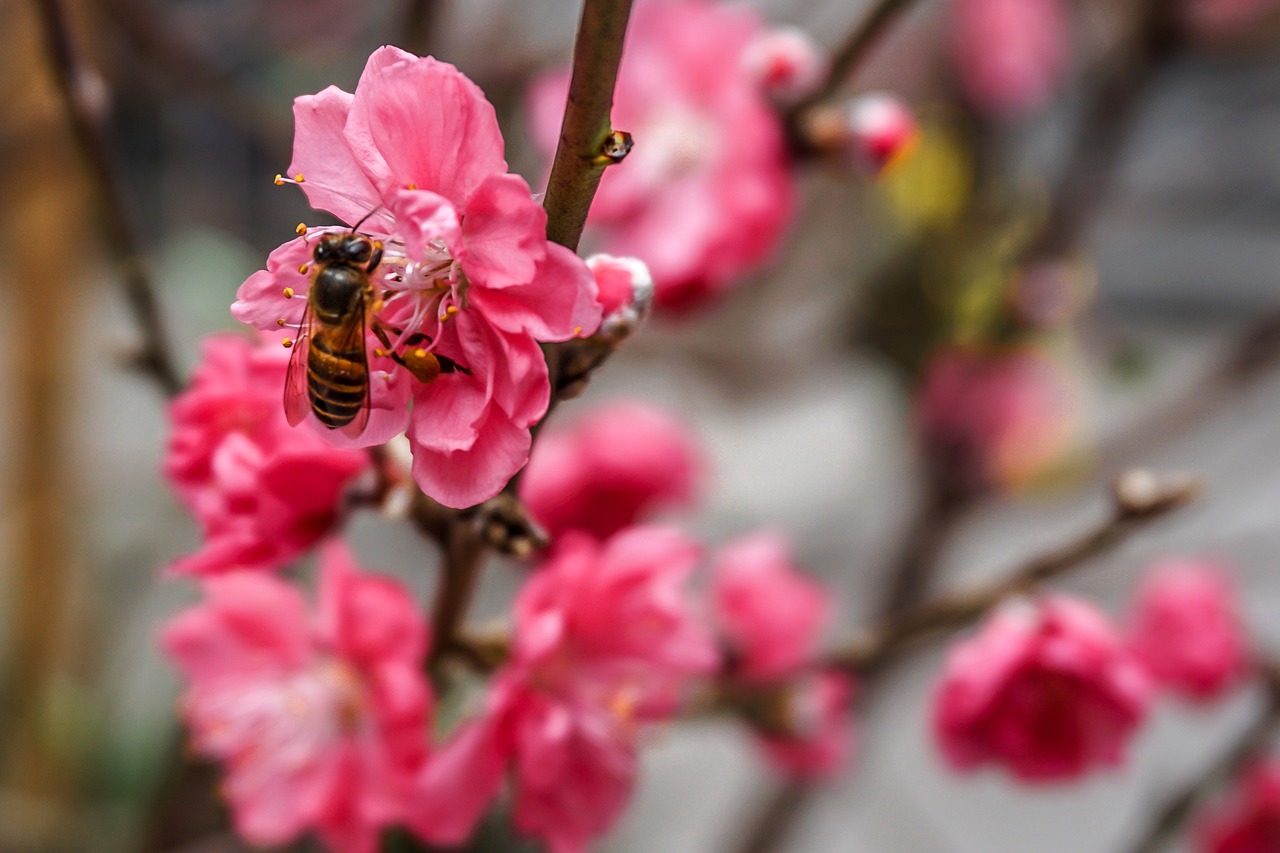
<point>1140,491</point>
<point>626,291</point>
<point>880,129</point>
<point>785,64</point>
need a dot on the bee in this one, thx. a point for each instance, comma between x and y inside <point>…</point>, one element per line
<point>329,369</point>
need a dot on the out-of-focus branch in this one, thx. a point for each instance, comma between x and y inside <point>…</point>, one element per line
<point>419,25</point>
<point>855,48</point>
<point>1139,498</point>
<point>908,579</point>
<point>178,62</point>
<point>81,91</point>
<point>464,554</point>
<point>1178,809</point>
<point>588,142</point>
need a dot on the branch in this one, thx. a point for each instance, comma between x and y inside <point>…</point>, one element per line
<point>419,25</point>
<point>1139,498</point>
<point>588,142</point>
<point>80,89</point>
<point>1170,819</point>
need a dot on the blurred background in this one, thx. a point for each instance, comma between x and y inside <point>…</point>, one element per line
<point>1124,223</point>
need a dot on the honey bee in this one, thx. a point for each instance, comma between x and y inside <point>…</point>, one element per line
<point>329,369</point>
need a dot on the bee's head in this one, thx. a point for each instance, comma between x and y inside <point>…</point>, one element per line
<point>349,248</point>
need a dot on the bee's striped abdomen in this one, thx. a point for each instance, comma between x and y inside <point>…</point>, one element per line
<point>337,382</point>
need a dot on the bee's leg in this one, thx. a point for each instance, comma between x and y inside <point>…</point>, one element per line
<point>448,365</point>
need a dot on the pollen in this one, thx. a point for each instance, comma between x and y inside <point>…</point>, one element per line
<point>279,180</point>
<point>302,268</point>
<point>280,322</point>
<point>288,293</point>
<point>301,229</point>
<point>298,177</point>
<point>577,331</point>
<point>286,343</point>
<point>451,310</point>
<point>412,186</point>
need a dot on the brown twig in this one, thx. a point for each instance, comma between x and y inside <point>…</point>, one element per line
<point>588,142</point>
<point>80,89</point>
<point>419,25</point>
<point>912,572</point>
<point>1172,817</point>
<point>1139,498</point>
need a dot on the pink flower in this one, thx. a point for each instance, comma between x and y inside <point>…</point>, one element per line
<point>1186,628</point>
<point>707,194</point>
<point>262,492</point>
<point>415,155</point>
<point>605,639</point>
<point>1249,822</point>
<point>997,419</point>
<point>1011,54</point>
<point>319,722</point>
<point>880,130</point>
<point>1046,689</point>
<point>785,63</point>
<point>771,618</point>
<point>624,284</point>
<point>613,468</point>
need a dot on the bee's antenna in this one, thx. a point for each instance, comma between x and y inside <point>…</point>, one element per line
<point>365,218</point>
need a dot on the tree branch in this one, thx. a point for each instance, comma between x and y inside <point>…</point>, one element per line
<point>1178,809</point>
<point>81,93</point>
<point>588,142</point>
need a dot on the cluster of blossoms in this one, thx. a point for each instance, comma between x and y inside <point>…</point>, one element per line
<point>1049,689</point>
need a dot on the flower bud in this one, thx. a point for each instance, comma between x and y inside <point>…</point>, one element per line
<point>880,128</point>
<point>785,63</point>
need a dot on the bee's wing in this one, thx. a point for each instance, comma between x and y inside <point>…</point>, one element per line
<point>351,338</point>
<point>297,400</point>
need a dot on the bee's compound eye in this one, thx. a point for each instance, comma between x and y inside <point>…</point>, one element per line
<point>359,249</point>
<point>323,250</point>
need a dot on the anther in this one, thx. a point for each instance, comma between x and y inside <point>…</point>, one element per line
<point>577,331</point>
<point>286,343</point>
<point>301,229</point>
<point>380,352</point>
<point>302,268</point>
<point>412,186</point>
<point>288,293</point>
<point>280,322</point>
<point>279,181</point>
<point>298,177</point>
<point>451,310</point>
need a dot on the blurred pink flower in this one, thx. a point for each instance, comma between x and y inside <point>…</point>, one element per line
<point>997,419</point>
<point>1011,54</point>
<point>1249,820</point>
<point>262,492</point>
<point>320,723</point>
<point>417,150</point>
<point>613,468</point>
<point>605,639</point>
<point>1186,628</point>
<point>1227,18</point>
<point>771,618</point>
<point>1046,689</point>
<point>623,284</point>
<point>785,63</point>
<point>770,615</point>
<point>707,194</point>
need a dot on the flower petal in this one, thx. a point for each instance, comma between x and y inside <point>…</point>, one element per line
<point>560,303</point>
<point>465,477</point>
<point>333,178</point>
<point>504,232</point>
<point>261,301</point>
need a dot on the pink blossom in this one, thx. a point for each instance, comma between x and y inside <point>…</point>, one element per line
<point>707,194</point>
<point>416,156</point>
<point>1011,54</point>
<point>995,419</point>
<point>1186,628</point>
<point>1046,689</point>
<point>785,63</point>
<point>614,467</point>
<point>319,722</point>
<point>262,492</point>
<point>880,130</point>
<point>1249,821</point>
<point>605,640</point>
<point>770,615</point>
<point>623,284</point>
<point>771,618</point>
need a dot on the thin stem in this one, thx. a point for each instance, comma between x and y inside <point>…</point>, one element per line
<point>1140,498</point>
<point>586,144</point>
<point>922,547</point>
<point>80,89</point>
<point>1178,809</point>
<point>464,554</point>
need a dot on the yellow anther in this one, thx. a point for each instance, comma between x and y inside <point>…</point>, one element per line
<point>301,229</point>
<point>419,353</point>
<point>280,322</point>
<point>451,310</point>
<point>287,342</point>
<point>298,177</point>
<point>279,181</point>
<point>380,352</point>
<point>577,331</point>
<point>302,268</point>
<point>412,186</point>
<point>288,293</point>
<point>424,366</point>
